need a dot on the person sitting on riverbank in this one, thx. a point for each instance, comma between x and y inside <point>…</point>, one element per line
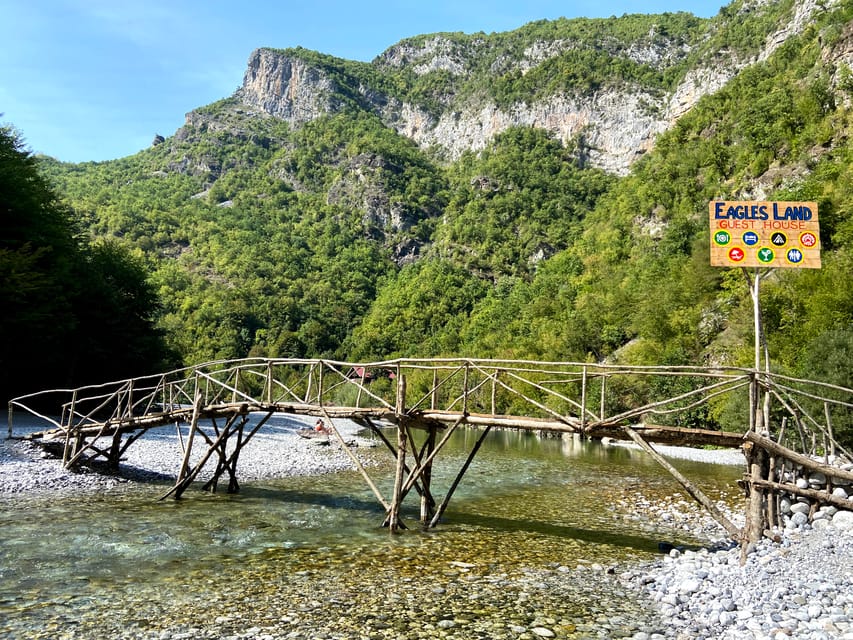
<point>320,426</point>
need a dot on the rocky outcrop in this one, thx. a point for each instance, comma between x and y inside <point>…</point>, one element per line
<point>287,87</point>
<point>614,125</point>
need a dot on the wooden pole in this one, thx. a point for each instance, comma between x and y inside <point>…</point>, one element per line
<point>805,461</point>
<point>394,513</point>
<point>691,489</point>
<point>440,511</point>
<point>495,391</point>
<point>427,503</point>
<point>355,459</point>
<point>433,402</point>
<point>829,428</point>
<point>193,426</point>
<point>814,494</point>
<point>756,510</point>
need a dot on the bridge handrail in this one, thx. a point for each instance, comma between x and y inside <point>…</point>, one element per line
<point>120,400</point>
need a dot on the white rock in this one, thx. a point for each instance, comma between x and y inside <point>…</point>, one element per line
<point>800,507</point>
<point>798,520</point>
<point>843,520</point>
<point>689,586</point>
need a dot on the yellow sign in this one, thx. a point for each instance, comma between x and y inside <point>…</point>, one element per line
<point>764,234</point>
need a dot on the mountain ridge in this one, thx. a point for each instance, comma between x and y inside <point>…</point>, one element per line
<point>616,122</point>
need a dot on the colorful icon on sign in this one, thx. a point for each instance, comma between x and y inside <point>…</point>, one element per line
<point>722,238</point>
<point>750,238</point>
<point>779,239</point>
<point>736,254</point>
<point>794,256</point>
<point>808,239</point>
<point>765,255</point>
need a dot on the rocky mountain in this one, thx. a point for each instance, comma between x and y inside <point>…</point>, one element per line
<point>617,120</point>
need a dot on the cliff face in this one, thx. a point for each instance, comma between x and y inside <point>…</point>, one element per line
<point>614,125</point>
<point>286,87</point>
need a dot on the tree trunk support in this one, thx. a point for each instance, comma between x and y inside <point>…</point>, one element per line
<point>440,511</point>
<point>691,488</point>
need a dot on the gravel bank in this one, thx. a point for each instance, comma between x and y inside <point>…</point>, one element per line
<point>276,451</point>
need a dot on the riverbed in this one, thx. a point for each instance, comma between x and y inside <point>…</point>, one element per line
<point>531,546</point>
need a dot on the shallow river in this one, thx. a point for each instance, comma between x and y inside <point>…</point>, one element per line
<point>522,552</point>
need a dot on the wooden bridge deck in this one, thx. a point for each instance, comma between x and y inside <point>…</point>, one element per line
<point>436,396</point>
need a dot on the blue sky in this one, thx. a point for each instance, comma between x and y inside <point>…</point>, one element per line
<point>97,79</point>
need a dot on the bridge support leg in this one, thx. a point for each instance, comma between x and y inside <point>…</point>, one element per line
<point>427,502</point>
<point>226,462</point>
<point>691,489</point>
<point>115,452</point>
<point>756,510</point>
<point>440,511</point>
<point>393,520</point>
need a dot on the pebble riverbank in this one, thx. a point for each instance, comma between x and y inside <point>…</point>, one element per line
<point>274,452</point>
<point>801,587</point>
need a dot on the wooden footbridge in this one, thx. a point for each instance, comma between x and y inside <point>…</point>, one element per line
<point>785,424</point>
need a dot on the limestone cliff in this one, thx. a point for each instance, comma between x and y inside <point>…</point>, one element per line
<point>614,124</point>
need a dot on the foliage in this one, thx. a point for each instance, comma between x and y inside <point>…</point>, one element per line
<point>74,312</point>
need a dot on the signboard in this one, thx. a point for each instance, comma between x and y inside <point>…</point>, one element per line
<point>764,234</point>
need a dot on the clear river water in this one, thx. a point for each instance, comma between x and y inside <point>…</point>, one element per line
<point>524,548</point>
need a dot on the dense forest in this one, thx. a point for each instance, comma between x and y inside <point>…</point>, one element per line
<point>341,238</point>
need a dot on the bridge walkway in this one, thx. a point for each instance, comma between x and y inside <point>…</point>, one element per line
<point>433,397</point>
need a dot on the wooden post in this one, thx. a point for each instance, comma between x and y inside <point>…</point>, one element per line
<point>427,503</point>
<point>443,506</point>
<point>828,428</point>
<point>361,386</point>
<point>583,400</point>
<point>465,390</point>
<point>770,518</point>
<point>601,413</point>
<point>65,452</point>
<point>394,513</point>
<point>495,391</point>
<point>310,383</point>
<point>193,426</point>
<point>692,489</point>
<point>115,451</point>
<point>393,519</point>
<point>756,510</point>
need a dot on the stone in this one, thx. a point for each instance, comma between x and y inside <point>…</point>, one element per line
<point>843,520</point>
<point>798,520</point>
<point>817,479</point>
<point>543,632</point>
<point>689,586</point>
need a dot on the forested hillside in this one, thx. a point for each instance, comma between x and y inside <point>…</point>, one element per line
<point>74,310</point>
<point>340,236</point>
